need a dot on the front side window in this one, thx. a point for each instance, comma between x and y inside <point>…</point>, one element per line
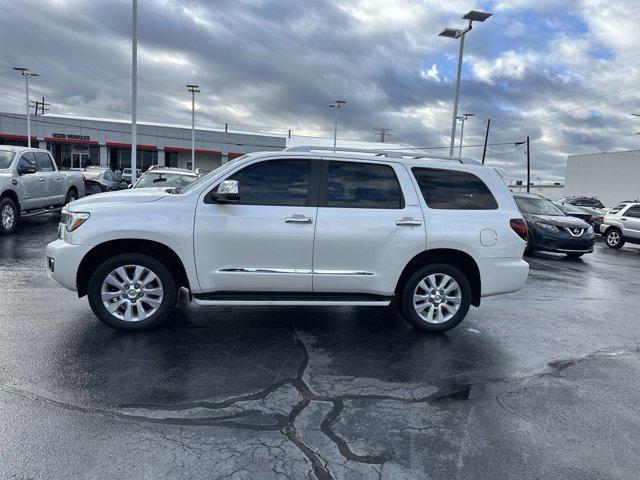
<point>362,185</point>
<point>616,209</point>
<point>274,182</point>
<point>43,160</point>
<point>453,190</point>
<point>27,158</point>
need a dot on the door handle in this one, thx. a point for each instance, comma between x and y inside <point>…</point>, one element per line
<point>41,179</point>
<point>298,219</point>
<point>408,222</point>
<point>58,179</point>
<point>623,219</point>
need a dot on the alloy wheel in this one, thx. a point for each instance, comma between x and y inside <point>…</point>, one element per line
<point>8,217</point>
<point>613,238</point>
<point>132,293</point>
<point>437,298</point>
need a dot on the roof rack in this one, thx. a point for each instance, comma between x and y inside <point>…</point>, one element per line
<point>381,153</point>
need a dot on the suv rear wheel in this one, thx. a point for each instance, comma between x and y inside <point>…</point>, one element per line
<point>8,216</point>
<point>436,298</point>
<point>132,292</point>
<point>614,238</point>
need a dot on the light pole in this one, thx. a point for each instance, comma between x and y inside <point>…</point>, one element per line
<point>27,75</point>
<point>472,16</point>
<point>636,115</point>
<point>337,105</point>
<point>462,119</point>
<point>193,89</point>
<point>134,89</point>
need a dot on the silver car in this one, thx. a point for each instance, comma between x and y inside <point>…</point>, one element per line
<point>166,177</point>
<point>622,224</point>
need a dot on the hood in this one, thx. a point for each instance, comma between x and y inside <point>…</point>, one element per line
<point>121,196</point>
<point>570,222</point>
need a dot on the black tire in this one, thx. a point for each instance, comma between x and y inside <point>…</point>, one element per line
<point>8,224</point>
<point>613,238</point>
<point>529,249</point>
<point>170,292</point>
<point>71,196</point>
<point>406,305</point>
<point>574,255</point>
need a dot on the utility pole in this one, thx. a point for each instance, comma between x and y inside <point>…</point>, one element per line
<point>528,166</point>
<point>337,105</point>
<point>384,133</point>
<point>463,119</point>
<point>43,105</point>
<point>486,139</point>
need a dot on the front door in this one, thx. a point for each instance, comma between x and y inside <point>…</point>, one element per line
<point>369,226</point>
<point>631,222</point>
<point>53,194</point>
<point>263,242</point>
<point>33,184</point>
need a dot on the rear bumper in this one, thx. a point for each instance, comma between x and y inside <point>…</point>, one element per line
<point>502,275</point>
<point>63,260</point>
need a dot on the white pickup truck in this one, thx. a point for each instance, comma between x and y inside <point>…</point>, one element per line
<point>30,182</point>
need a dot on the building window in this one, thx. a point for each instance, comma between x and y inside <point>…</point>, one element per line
<point>171,159</point>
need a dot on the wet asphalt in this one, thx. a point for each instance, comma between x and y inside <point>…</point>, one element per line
<point>542,383</point>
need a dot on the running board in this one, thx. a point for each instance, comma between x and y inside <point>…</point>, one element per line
<point>291,298</point>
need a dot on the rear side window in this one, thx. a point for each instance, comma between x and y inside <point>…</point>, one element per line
<point>274,182</point>
<point>362,185</point>
<point>44,162</point>
<point>633,212</point>
<point>454,190</point>
<point>616,209</point>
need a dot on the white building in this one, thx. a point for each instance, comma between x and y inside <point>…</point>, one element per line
<point>612,177</point>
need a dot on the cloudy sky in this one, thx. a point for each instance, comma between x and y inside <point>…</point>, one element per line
<point>564,72</point>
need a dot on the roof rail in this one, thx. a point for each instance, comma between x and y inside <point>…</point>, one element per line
<point>381,152</point>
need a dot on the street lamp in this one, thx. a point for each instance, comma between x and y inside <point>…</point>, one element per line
<point>27,75</point>
<point>462,119</point>
<point>636,115</point>
<point>193,89</point>
<point>134,89</point>
<point>337,105</point>
<point>472,16</point>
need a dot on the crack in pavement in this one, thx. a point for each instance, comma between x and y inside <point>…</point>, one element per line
<point>255,419</point>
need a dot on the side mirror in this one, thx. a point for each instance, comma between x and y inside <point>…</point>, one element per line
<point>26,169</point>
<point>228,191</point>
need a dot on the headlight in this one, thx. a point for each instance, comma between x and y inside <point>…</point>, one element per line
<point>75,219</point>
<point>547,226</point>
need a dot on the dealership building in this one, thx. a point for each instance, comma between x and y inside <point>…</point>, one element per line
<point>78,142</point>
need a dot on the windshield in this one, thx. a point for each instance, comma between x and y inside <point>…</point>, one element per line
<point>6,156</point>
<point>159,179</point>
<point>538,206</point>
<point>210,175</point>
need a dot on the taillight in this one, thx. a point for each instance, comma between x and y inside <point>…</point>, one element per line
<point>590,220</point>
<point>520,227</point>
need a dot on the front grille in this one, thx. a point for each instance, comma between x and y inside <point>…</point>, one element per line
<point>575,232</point>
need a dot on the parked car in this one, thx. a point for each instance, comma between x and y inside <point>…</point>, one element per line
<point>622,224</point>
<point>598,216</point>
<point>577,212</point>
<point>126,174</point>
<point>102,179</point>
<point>299,227</point>
<point>166,177</point>
<point>550,230</point>
<point>582,201</point>
<point>31,182</point>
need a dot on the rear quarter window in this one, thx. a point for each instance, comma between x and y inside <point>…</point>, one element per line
<point>453,190</point>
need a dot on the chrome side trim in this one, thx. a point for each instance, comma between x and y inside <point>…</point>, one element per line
<point>290,271</point>
<point>341,272</point>
<point>299,271</point>
<point>363,303</point>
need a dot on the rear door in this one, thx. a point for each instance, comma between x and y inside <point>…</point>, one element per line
<point>631,222</point>
<point>52,179</point>
<point>32,183</point>
<point>369,226</point>
<point>264,242</point>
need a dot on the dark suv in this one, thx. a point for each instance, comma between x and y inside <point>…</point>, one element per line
<point>582,202</point>
<point>551,230</point>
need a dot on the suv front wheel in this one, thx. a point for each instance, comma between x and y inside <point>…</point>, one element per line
<point>436,298</point>
<point>614,238</point>
<point>132,292</point>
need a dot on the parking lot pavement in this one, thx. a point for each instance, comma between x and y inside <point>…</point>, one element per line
<point>543,383</point>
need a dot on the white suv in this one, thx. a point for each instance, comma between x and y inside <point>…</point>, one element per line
<point>303,226</point>
<point>621,224</point>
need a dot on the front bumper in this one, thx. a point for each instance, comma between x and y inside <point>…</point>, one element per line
<point>562,242</point>
<point>63,260</point>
